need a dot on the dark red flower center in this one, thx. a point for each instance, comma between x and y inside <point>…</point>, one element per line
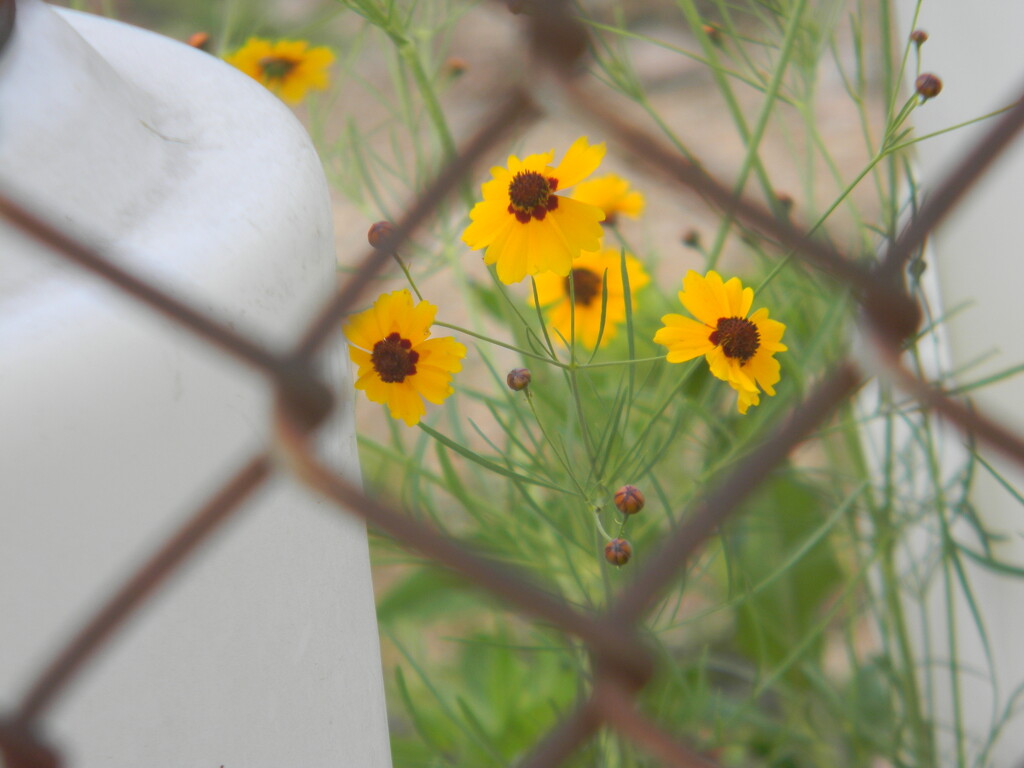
<point>276,67</point>
<point>737,336</point>
<point>394,359</point>
<point>531,196</point>
<point>585,286</point>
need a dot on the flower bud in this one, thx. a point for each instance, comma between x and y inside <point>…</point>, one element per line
<point>714,34</point>
<point>200,40</point>
<point>928,86</point>
<point>380,233</point>
<point>629,500</point>
<point>455,66</point>
<point>918,37</point>
<point>518,379</point>
<point>618,551</point>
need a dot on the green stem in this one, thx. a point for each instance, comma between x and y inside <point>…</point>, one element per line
<point>933,134</point>
<point>433,107</point>
<point>495,342</point>
<point>563,460</point>
<point>612,363</point>
<point>405,271</point>
<point>577,401</point>
<point>752,159</point>
<point>600,526</point>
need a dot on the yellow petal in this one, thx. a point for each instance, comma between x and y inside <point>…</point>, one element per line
<point>513,257</point>
<point>604,192</point>
<point>498,245</point>
<point>632,205</point>
<point>769,331</point>
<point>685,338</point>
<point>552,250</point>
<point>362,330</point>
<point>764,369</point>
<point>580,161</point>
<point>405,404</point>
<point>291,90</point>
<point>434,384</point>
<point>610,193</point>
<point>588,325</point>
<point>392,312</point>
<point>537,163</point>
<point>543,253</point>
<point>361,358</point>
<point>745,399</point>
<point>489,222</point>
<point>376,390</point>
<point>560,319</point>
<point>728,369</point>
<point>550,288</point>
<point>737,298</point>
<point>578,224</point>
<point>702,297</point>
<point>496,190</point>
<point>443,354</point>
<point>319,58</point>
<point>289,49</point>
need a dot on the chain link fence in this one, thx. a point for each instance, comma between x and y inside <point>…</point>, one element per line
<point>621,662</point>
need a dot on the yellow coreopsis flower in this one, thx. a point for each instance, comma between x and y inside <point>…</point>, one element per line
<point>398,364</point>
<point>589,274</point>
<point>289,68</point>
<point>612,194</point>
<point>739,349</point>
<point>525,227</point>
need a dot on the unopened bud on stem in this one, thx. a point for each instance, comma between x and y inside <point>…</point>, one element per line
<point>928,86</point>
<point>518,379</point>
<point>618,551</point>
<point>381,234</point>
<point>629,500</point>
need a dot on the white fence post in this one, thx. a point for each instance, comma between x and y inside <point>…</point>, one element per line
<point>974,48</point>
<point>115,424</point>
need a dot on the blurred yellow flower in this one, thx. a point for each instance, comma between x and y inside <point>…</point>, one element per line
<point>612,194</point>
<point>589,274</point>
<point>398,364</point>
<point>527,228</point>
<point>739,349</point>
<point>288,68</point>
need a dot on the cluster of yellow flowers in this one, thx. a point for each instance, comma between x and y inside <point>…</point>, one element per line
<point>527,225</point>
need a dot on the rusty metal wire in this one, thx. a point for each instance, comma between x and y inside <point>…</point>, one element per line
<point>622,664</point>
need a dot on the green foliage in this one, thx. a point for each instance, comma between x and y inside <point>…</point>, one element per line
<point>782,615</point>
